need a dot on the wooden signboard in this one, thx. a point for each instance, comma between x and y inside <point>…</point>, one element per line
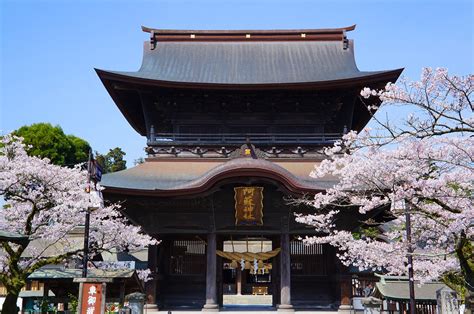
<point>92,298</point>
<point>248,206</point>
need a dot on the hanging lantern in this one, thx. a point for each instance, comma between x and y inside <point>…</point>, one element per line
<point>247,265</point>
<point>234,264</point>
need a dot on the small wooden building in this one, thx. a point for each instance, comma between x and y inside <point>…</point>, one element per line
<point>235,121</point>
<point>395,296</point>
<point>56,285</point>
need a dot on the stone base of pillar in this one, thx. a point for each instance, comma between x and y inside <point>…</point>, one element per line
<point>285,308</point>
<point>345,309</point>
<point>151,308</point>
<point>210,308</point>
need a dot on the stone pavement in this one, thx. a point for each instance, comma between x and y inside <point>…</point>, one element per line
<point>239,311</point>
<point>236,309</point>
<point>242,304</point>
<point>230,300</point>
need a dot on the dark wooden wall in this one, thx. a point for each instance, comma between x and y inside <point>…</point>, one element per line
<point>313,276</point>
<point>212,111</point>
<point>193,214</point>
<point>180,285</point>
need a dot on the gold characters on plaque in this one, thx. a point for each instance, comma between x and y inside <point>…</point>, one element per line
<point>248,205</point>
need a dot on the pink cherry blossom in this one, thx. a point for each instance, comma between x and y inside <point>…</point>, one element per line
<point>46,203</point>
<point>425,164</point>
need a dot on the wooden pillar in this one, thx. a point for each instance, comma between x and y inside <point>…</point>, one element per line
<point>164,277</point>
<point>45,290</point>
<point>122,292</point>
<point>285,275</point>
<point>211,291</point>
<point>220,270</point>
<point>275,273</point>
<point>151,285</point>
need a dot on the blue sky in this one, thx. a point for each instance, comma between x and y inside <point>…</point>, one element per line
<point>50,48</point>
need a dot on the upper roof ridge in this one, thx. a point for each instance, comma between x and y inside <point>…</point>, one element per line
<point>325,34</point>
<point>247,31</point>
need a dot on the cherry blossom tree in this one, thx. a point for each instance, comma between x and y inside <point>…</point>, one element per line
<point>424,166</point>
<point>44,203</point>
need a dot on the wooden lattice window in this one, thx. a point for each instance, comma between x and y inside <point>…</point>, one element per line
<point>308,260</point>
<point>188,257</point>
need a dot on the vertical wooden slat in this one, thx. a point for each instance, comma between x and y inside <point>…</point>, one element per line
<point>187,257</point>
<point>310,257</point>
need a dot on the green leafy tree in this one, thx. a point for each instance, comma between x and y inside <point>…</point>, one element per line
<point>82,148</point>
<point>139,161</point>
<point>50,142</point>
<point>112,161</point>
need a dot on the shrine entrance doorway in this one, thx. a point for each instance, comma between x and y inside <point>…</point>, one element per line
<point>249,274</point>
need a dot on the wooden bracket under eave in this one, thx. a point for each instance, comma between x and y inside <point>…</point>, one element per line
<point>152,40</point>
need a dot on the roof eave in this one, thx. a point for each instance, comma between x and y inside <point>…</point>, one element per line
<point>292,185</point>
<point>383,76</point>
<point>110,89</point>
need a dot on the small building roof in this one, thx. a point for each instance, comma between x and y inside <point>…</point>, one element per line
<point>399,290</point>
<point>49,273</point>
<point>184,176</point>
<point>35,293</point>
<point>62,281</point>
<point>12,237</point>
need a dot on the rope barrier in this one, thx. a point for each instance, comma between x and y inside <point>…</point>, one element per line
<point>248,256</point>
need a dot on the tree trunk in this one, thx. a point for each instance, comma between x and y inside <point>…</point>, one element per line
<point>9,306</point>
<point>466,270</point>
<point>469,302</point>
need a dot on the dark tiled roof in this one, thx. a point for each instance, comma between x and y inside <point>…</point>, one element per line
<point>251,63</point>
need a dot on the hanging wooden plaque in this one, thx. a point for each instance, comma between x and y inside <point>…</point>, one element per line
<point>248,206</point>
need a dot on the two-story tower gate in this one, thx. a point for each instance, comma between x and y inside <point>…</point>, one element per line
<point>235,122</point>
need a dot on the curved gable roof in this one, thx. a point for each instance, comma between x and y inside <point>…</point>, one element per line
<point>152,178</point>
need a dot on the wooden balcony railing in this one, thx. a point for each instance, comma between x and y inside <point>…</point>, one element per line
<point>166,139</point>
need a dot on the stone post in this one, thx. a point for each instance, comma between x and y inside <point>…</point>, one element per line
<point>238,281</point>
<point>345,282</point>
<point>447,302</point>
